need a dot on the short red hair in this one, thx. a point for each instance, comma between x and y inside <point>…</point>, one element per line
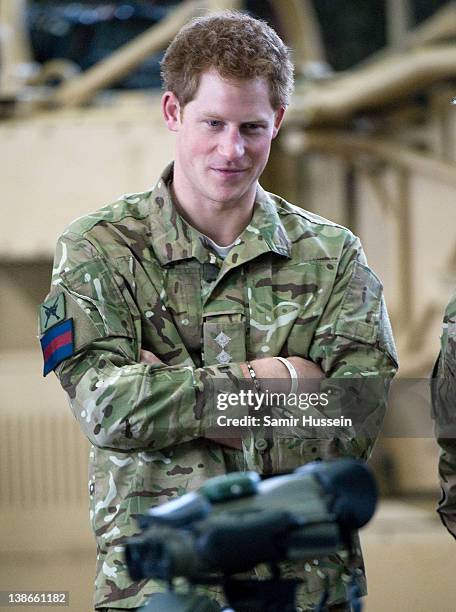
<point>237,46</point>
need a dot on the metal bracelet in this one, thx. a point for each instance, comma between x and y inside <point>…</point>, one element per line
<point>293,373</point>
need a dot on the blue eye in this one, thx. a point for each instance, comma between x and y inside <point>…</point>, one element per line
<point>214,123</point>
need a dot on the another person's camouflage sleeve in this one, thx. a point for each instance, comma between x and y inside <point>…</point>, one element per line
<point>444,404</point>
<point>119,402</point>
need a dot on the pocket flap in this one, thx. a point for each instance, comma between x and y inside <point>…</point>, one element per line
<point>361,307</point>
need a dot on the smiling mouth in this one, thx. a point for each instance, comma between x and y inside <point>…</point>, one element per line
<point>228,171</point>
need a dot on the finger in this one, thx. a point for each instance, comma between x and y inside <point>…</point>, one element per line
<point>148,357</point>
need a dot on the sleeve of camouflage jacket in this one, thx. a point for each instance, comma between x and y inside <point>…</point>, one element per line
<point>354,346</point>
<point>120,403</point>
<point>444,405</point>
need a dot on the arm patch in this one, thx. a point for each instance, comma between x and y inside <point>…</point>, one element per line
<point>57,344</point>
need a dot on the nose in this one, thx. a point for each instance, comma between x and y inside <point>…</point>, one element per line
<point>231,144</point>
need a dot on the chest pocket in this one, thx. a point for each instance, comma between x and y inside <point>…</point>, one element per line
<point>183,300</point>
<point>361,306</point>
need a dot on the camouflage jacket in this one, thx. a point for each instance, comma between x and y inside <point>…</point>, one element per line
<point>444,403</point>
<point>134,275</point>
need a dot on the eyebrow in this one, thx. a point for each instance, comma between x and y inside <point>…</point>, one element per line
<point>210,115</point>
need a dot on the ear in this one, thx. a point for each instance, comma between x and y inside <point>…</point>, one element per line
<point>171,111</point>
<point>279,115</point>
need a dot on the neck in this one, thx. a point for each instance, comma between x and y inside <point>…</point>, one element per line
<point>223,222</point>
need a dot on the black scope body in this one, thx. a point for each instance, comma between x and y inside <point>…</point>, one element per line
<point>234,522</point>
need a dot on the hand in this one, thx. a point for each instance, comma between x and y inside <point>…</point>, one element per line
<point>148,357</point>
<point>309,373</point>
<point>306,368</point>
<point>269,367</point>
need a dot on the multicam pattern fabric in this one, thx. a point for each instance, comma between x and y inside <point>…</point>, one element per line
<point>444,403</point>
<point>133,277</point>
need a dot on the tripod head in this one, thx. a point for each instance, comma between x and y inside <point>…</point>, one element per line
<point>235,522</point>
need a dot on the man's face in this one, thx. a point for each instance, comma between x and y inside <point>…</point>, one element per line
<point>223,138</point>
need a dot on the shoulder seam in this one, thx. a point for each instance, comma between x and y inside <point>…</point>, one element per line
<point>98,215</point>
<point>307,215</point>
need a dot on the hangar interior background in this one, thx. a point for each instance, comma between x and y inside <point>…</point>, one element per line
<point>369,142</point>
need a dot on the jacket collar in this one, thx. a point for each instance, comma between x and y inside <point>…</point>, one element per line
<point>173,239</point>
